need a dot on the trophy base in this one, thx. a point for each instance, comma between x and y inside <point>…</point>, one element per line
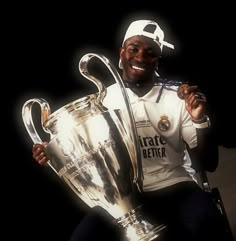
<point>135,228</point>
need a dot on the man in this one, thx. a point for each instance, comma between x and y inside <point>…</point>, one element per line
<point>169,129</point>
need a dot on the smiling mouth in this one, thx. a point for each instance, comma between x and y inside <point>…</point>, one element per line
<point>138,68</point>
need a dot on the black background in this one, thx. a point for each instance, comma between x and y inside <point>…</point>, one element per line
<point>44,45</point>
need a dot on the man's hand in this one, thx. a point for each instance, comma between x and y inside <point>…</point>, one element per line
<point>39,153</point>
<point>195,100</point>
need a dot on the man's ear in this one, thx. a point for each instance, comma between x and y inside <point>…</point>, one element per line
<point>159,59</point>
<point>155,62</point>
<point>121,51</point>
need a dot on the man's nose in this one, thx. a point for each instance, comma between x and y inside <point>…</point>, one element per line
<point>140,56</point>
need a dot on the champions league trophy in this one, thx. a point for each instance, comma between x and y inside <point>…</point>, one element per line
<point>97,153</point>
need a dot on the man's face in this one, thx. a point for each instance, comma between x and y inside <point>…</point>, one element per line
<point>139,57</point>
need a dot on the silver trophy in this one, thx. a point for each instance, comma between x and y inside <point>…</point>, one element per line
<point>95,151</point>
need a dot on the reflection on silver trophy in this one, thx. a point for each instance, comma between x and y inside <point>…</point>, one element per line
<point>95,151</point>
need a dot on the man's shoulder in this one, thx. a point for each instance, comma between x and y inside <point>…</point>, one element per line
<point>112,86</point>
<point>114,97</point>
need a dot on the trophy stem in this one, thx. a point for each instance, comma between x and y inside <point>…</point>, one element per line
<point>138,229</point>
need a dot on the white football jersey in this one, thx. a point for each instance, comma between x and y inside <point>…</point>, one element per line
<point>163,126</point>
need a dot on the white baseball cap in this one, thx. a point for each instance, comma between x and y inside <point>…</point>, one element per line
<point>140,27</point>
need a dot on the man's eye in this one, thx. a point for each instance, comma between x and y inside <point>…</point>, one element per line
<point>152,54</point>
<point>133,50</point>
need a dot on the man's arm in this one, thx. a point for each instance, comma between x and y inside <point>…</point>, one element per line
<point>205,156</point>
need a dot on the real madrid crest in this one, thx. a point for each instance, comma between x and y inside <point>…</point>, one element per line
<point>164,123</point>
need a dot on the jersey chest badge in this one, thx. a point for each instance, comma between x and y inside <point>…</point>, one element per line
<point>164,123</point>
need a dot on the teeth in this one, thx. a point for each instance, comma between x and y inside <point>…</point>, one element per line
<point>138,68</point>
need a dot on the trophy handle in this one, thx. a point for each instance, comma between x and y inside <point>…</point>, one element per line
<point>138,177</point>
<point>29,124</point>
<point>83,68</point>
<point>28,121</point>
